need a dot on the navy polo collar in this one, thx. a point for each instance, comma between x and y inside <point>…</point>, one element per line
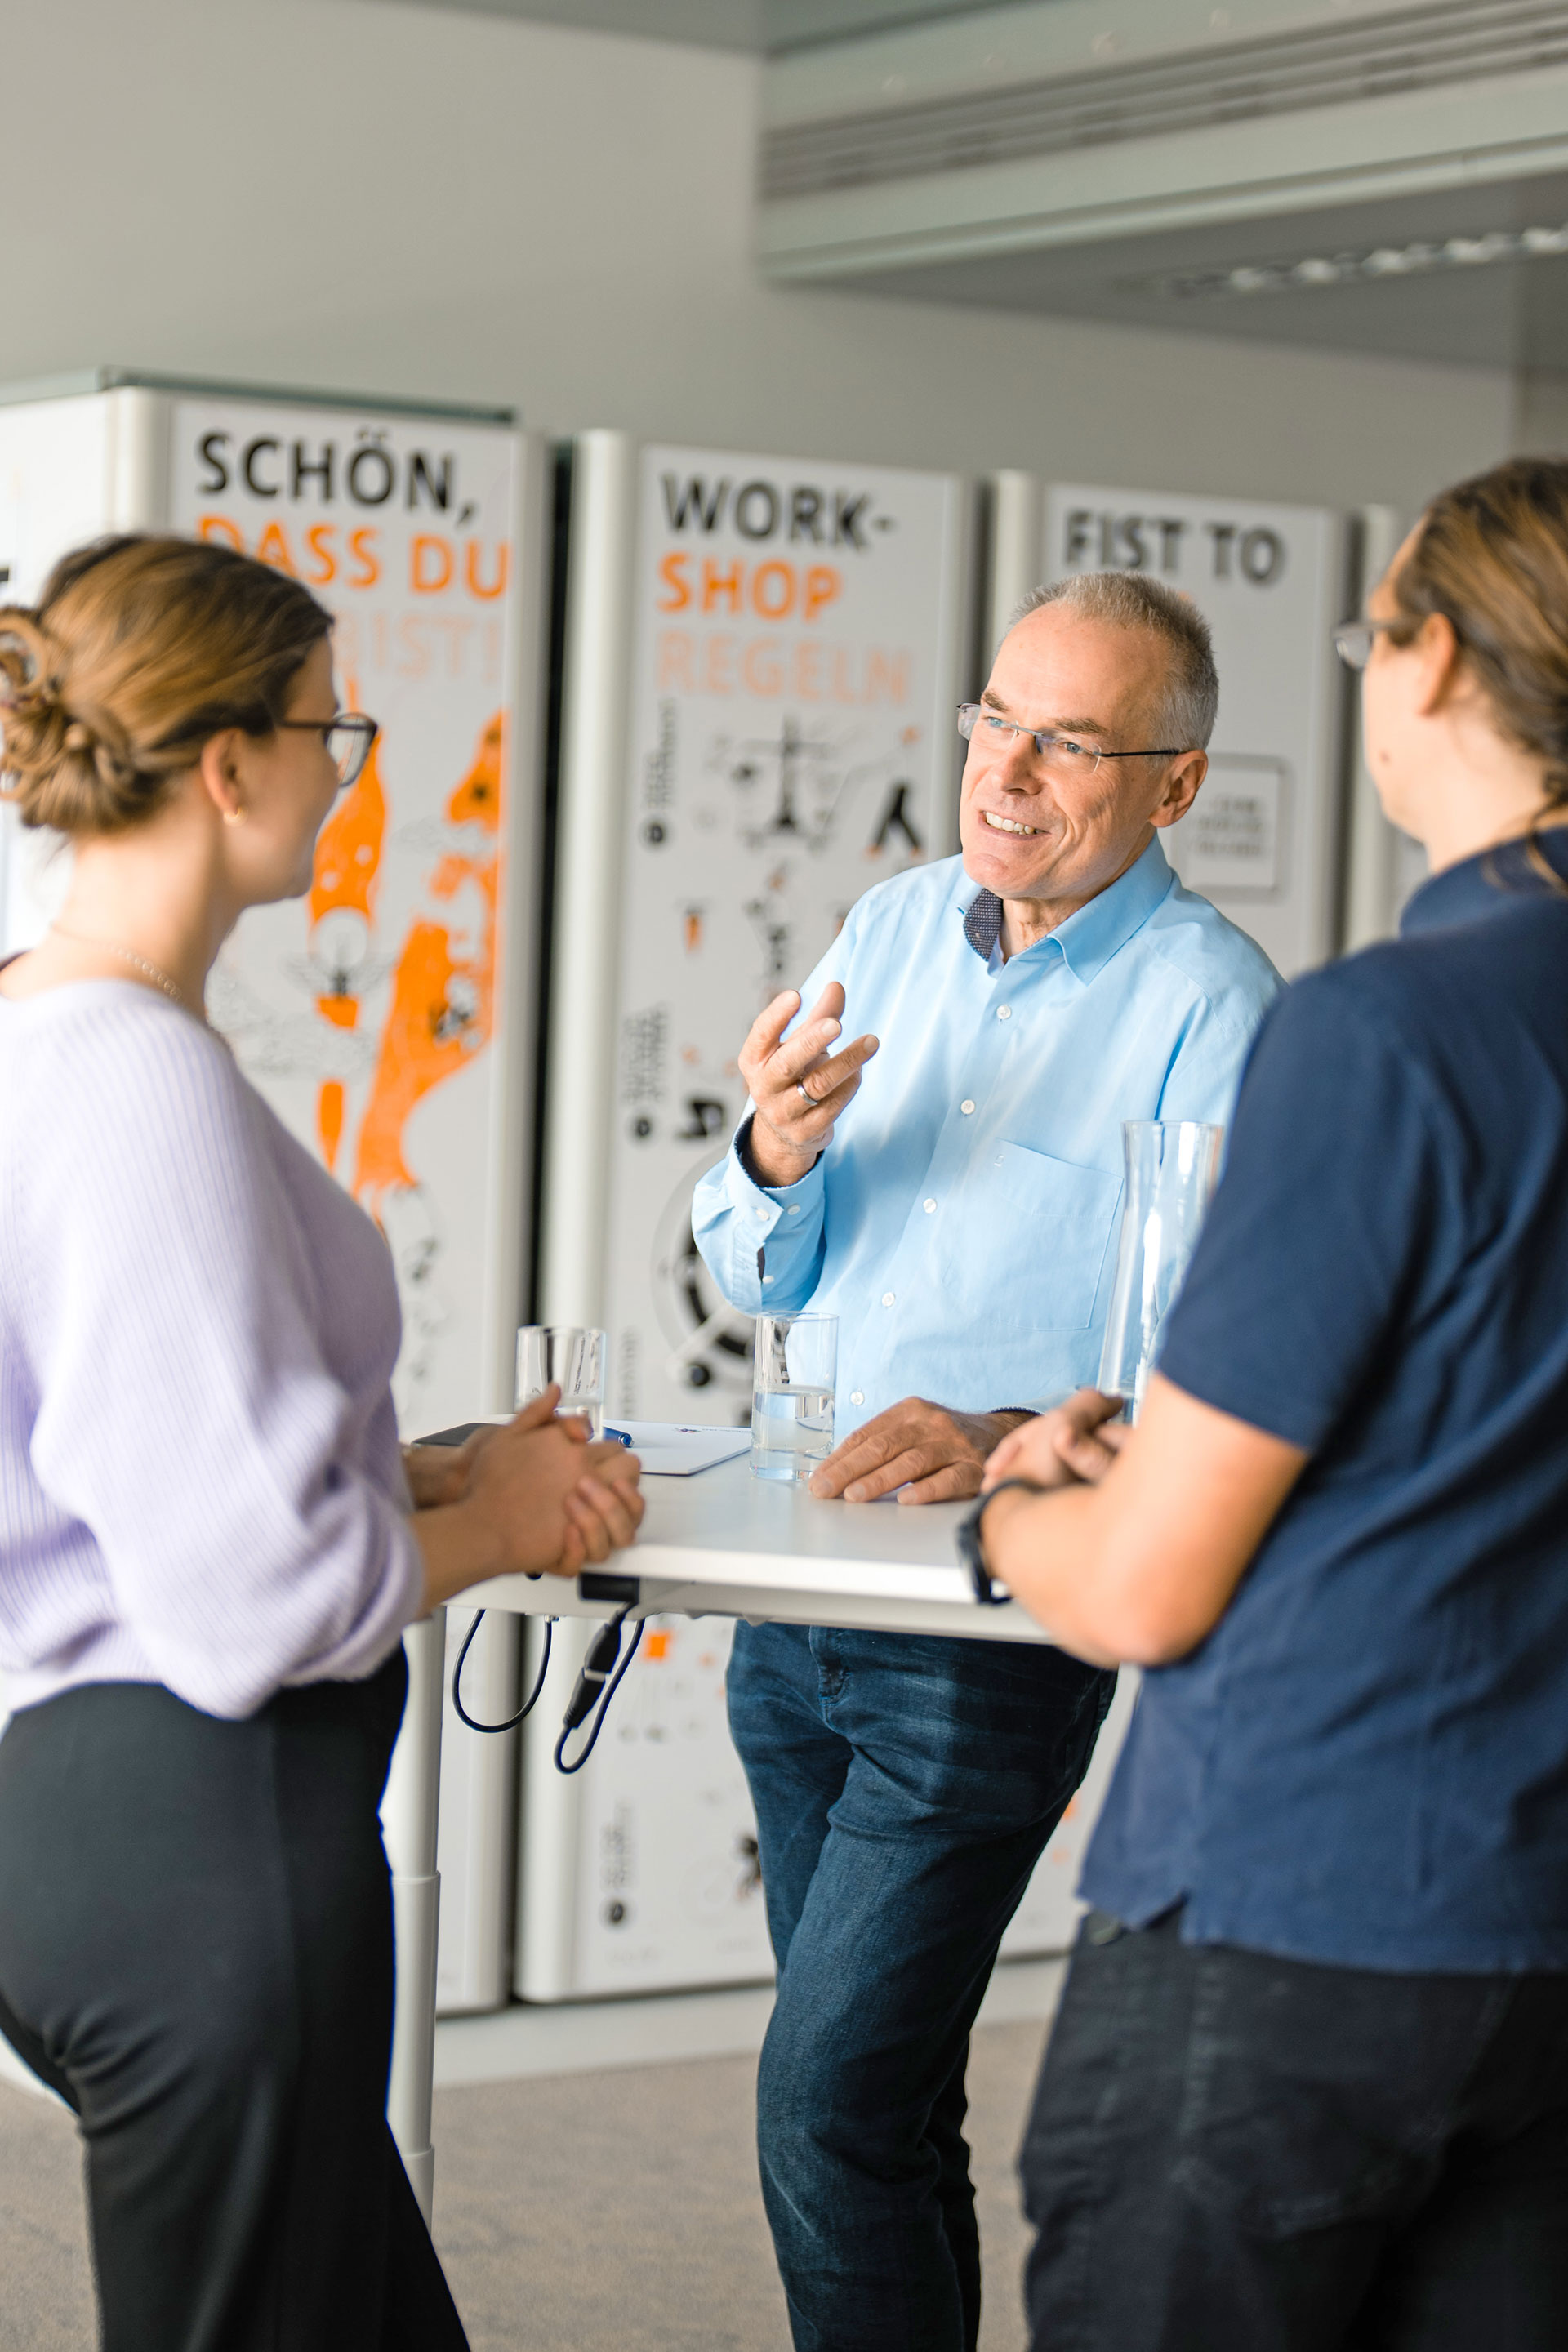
<point>1485,885</point>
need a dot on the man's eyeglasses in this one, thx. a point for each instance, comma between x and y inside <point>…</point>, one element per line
<point>1057,754</point>
<point>348,738</point>
<point>1354,640</point>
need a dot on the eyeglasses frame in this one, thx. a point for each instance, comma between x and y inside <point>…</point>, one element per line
<point>1043,738</point>
<point>1345,633</point>
<point>354,722</point>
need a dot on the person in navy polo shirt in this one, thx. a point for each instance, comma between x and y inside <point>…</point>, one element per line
<point>1309,2085</point>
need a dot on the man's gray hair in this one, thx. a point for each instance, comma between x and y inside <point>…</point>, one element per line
<point>1132,600</point>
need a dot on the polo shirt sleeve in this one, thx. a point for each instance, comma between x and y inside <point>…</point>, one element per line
<point>1293,1305</point>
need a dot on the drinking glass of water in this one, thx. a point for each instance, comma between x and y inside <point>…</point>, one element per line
<point>1171,1169</point>
<point>793,1377</point>
<point>572,1354</point>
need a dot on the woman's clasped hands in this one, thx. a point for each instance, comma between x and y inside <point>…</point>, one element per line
<point>534,1496</point>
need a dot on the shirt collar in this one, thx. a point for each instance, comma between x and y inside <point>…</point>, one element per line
<point>1485,885</point>
<point>1087,941</point>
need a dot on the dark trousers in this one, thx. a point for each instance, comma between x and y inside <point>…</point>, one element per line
<point>1231,2150</point>
<point>195,1951</point>
<point>904,1787</point>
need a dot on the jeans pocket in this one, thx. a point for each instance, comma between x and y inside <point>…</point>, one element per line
<point>1309,2096</point>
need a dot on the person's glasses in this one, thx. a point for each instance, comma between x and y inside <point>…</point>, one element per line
<point>348,738</point>
<point>1059,755</point>
<point>1354,640</point>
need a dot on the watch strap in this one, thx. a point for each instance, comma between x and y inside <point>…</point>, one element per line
<point>972,1546</point>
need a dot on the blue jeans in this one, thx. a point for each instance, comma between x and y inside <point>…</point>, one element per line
<point>904,1787</point>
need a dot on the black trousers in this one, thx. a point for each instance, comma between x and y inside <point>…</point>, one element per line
<point>1228,2150</point>
<point>195,1951</point>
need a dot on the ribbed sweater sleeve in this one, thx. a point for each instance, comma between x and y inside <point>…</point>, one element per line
<point>185,1414</point>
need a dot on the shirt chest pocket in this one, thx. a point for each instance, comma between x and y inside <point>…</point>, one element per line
<point>1039,1233</point>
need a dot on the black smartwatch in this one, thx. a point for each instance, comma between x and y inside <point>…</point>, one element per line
<point>971,1551</point>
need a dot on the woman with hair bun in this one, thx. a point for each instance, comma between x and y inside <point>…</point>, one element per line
<point>1308,2088</point>
<point>208,1548</point>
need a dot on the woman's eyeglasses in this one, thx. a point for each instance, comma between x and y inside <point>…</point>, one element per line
<point>348,738</point>
<point>1354,640</point>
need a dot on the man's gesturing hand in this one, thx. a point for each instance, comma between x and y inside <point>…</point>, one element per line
<point>934,1456</point>
<point>1074,1444</point>
<point>790,1130</point>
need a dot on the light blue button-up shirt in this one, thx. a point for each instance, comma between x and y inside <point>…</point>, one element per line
<point>962,1224</point>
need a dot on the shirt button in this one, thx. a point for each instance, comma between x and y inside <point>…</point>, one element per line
<point>762,1216</point>
<point>855,1396</point>
<point>966,1107</point>
<point>795,1212</point>
<point>929,1205</point>
<point>767,1279</point>
<point>887,1298</point>
<point>1004,1012</point>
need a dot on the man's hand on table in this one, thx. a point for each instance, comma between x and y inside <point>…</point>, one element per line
<point>932,1455</point>
<point>1074,1444</point>
<point>789,1129</point>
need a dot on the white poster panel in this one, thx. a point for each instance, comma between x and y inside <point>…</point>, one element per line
<point>664,1890</point>
<point>1262,838</point>
<point>792,741</point>
<point>366,1012</point>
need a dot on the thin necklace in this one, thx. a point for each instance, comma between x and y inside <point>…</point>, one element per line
<point>144,963</point>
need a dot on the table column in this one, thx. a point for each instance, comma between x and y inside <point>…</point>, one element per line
<point>409,1814</point>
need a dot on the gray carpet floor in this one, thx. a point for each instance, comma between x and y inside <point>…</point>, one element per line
<point>603,2212</point>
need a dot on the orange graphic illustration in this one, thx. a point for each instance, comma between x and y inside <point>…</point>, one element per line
<point>330,1104</point>
<point>443,990</point>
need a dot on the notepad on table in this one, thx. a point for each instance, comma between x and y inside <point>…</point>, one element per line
<point>669,1449</point>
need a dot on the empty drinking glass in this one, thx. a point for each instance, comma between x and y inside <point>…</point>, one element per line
<point>794,1372</point>
<point>1171,1167</point>
<point>572,1353</point>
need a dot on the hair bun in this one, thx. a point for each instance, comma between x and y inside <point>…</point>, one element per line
<point>52,757</point>
<point>29,661</point>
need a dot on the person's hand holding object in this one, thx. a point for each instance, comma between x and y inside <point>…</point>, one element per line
<point>799,1089</point>
<point>1074,1444</point>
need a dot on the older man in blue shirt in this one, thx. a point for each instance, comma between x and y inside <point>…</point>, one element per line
<point>949,1187</point>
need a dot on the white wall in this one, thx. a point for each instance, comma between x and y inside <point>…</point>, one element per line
<point>343,193</point>
<point>1540,416</point>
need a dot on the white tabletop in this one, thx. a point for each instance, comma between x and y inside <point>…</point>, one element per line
<point>726,1544</point>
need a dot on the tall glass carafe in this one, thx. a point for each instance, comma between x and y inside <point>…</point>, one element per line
<point>1172,1167</point>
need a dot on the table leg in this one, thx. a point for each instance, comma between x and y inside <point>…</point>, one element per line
<point>409,1814</point>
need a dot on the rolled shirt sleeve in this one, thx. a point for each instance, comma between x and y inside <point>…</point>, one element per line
<point>186,1417</point>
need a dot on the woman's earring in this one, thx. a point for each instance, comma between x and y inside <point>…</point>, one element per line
<point>234,815</point>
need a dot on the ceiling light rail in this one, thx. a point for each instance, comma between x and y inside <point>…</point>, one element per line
<point>1374,263</point>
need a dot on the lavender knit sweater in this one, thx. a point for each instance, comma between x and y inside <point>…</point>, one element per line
<point>199,1477</point>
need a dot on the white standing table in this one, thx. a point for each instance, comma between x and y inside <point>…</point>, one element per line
<point>721,1544</point>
